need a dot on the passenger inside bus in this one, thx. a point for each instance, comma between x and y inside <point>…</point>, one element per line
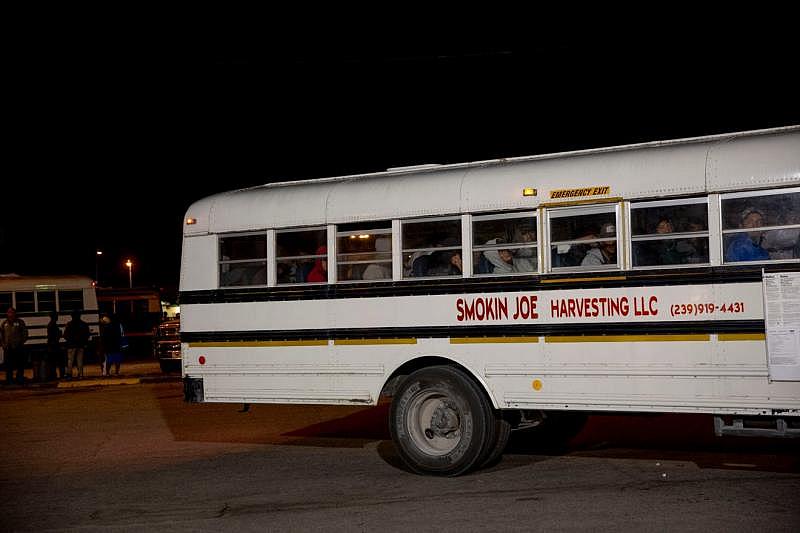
<point>606,251</point>
<point>525,258</point>
<point>383,245</point>
<point>437,263</point>
<point>746,246</point>
<point>660,252</point>
<point>496,261</point>
<point>573,254</point>
<point>695,249</point>
<point>319,273</point>
<point>784,243</point>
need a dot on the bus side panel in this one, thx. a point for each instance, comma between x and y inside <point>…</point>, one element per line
<point>268,374</point>
<point>710,376</point>
<point>199,263</point>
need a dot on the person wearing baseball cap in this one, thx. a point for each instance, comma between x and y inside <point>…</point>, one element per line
<point>606,252</point>
<point>746,246</point>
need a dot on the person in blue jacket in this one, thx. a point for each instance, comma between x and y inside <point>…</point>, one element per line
<point>746,246</point>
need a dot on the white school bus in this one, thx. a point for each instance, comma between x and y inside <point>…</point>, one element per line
<point>35,297</point>
<point>657,277</point>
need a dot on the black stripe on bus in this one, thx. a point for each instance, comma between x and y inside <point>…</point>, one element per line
<point>411,287</point>
<point>495,330</point>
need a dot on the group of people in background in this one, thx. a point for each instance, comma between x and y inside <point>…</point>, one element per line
<point>59,360</point>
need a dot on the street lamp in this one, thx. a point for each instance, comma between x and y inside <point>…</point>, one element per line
<point>129,264</point>
<point>97,267</point>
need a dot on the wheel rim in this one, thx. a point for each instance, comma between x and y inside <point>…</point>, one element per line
<point>434,422</point>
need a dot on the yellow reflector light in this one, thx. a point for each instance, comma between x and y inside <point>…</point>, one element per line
<point>191,221</point>
<point>528,191</point>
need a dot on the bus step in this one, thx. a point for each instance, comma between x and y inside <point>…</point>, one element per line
<point>756,427</point>
<point>193,390</point>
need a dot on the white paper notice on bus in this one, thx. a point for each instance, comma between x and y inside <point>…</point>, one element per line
<point>782,315</point>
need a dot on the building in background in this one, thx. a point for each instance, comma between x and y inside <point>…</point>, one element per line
<point>139,311</point>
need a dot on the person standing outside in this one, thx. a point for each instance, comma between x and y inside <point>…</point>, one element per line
<point>13,335</point>
<point>76,337</point>
<point>55,358</point>
<point>111,342</point>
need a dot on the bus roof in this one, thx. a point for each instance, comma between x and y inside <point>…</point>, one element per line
<point>688,166</point>
<point>16,282</point>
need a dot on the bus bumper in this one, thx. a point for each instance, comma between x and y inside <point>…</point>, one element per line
<point>193,390</point>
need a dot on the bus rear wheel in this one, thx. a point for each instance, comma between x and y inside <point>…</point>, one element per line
<point>442,423</point>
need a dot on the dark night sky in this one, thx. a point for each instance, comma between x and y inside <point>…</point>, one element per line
<point>130,131</point>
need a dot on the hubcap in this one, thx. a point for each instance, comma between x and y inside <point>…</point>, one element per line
<point>434,423</point>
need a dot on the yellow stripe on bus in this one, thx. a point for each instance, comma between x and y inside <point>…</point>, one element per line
<point>257,344</point>
<point>481,340</point>
<point>626,338</point>
<point>741,336</point>
<point>367,342</point>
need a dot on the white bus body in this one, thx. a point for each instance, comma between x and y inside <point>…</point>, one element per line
<point>35,297</point>
<point>631,335</point>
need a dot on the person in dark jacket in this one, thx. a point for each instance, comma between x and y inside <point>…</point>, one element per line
<point>76,337</point>
<point>55,356</point>
<point>13,334</point>
<point>111,343</point>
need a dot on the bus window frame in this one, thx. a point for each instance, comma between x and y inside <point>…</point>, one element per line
<point>532,214</point>
<point>579,210</point>
<point>297,229</point>
<point>378,232</point>
<point>643,204</point>
<point>55,300</point>
<point>459,217</point>
<point>220,262</point>
<point>725,232</point>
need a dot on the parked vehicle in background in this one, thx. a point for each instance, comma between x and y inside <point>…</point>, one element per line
<point>167,345</point>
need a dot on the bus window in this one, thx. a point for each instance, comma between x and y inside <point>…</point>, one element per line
<point>25,303</point>
<point>364,251</point>
<point>243,260</point>
<point>672,232</point>
<point>583,237</point>
<point>504,244</point>
<point>761,227</point>
<point>46,301</point>
<point>432,247</point>
<point>5,301</point>
<point>70,300</point>
<point>302,255</point>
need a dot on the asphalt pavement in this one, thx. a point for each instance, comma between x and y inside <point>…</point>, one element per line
<point>130,373</point>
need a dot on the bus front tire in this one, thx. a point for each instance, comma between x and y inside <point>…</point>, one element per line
<point>442,423</point>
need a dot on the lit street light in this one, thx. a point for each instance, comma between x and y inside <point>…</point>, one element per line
<point>129,264</point>
<point>97,267</point>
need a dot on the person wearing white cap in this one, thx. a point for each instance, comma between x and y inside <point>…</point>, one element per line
<point>606,252</point>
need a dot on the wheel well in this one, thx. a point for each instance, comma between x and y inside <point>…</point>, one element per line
<point>409,367</point>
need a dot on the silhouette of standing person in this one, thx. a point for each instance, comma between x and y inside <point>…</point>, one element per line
<point>111,341</point>
<point>76,336</point>
<point>13,335</point>
<point>55,359</point>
